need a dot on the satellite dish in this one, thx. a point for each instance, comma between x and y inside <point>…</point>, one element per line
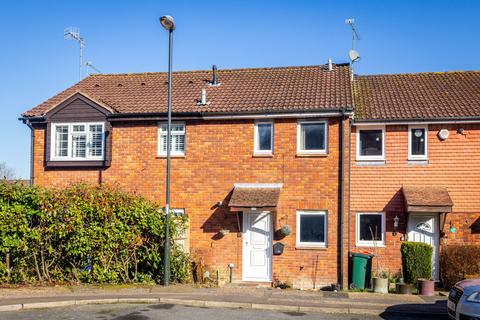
<point>354,55</point>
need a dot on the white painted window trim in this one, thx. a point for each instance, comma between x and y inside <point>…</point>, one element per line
<point>256,150</point>
<point>70,125</point>
<point>300,244</point>
<point>363,243</point>
<point>417,157</point>
<point>370,158</point>
<point>161,133</point>
<point>312,152</point>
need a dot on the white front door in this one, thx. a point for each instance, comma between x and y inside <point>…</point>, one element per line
<point>257,246</point>
<point>424,228</point>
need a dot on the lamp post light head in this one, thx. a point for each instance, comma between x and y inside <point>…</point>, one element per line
<point>168,23</point>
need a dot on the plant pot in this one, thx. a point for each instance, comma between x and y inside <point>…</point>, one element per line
<point>380,285</point>
<point>426,287</point>
<point>403,288</point>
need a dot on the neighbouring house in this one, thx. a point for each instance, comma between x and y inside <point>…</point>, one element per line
<point>347,165</point>
<point>415,163</point>
<point>254,151</point>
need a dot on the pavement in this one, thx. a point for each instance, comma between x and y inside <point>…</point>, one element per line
<point>175,312</point>
<point>247,298</point>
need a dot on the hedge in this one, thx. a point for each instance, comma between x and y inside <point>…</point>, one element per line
<point>416,261</point>
<point>458,262</point>
<point>84,233</point>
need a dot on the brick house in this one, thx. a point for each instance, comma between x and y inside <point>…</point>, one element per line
<point>254,150</point>
<point>416,157</point>
<point>349,166</point>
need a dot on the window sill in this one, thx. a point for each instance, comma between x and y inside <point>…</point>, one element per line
<point>304,247</point>
<point>311,155</point>
<point>263,155</point>
<point>76,163</point>
<point>370,246</point>
<point>418,162</point>
<point>368,163</point>
<point>172,156</point>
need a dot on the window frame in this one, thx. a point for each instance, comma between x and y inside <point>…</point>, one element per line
<point>256,142</point>
<point>410,155</point>
<point>160,133</point>
<point>359,157</point>
<point>325,138</point>
<point>299,243</point>
<point>370,243</point>
<point>70,133</point>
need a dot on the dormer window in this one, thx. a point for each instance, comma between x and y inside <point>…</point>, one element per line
<point>77,141</point>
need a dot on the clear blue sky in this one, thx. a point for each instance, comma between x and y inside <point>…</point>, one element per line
<point>125,36</point>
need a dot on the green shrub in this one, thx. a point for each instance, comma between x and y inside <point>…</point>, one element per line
<point>416,261</point>
<point>458,262</point>
<point>85,233</point>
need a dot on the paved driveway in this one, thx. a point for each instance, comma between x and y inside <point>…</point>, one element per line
<point>170,311</point>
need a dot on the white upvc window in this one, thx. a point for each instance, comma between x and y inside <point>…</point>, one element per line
<point>77,141</point>
<point>311,228</point>
<point>177,139</point>
<point>418,142</point>
<point>370,143</point>
<point>370,229</point>
<point>263,138</point>
<point>312,137</point>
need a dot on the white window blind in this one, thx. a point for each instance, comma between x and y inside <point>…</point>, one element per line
<point>177,139</point>
<point>77,141</point>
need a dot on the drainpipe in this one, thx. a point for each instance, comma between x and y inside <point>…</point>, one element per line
<point>341,200</point>
<point>349,218</point>
<point>32,149</point>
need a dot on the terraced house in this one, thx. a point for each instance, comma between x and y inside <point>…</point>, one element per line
<point>261,152</point>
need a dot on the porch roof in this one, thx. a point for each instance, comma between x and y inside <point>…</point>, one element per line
<point>255,195</point>
<point>427,199</point>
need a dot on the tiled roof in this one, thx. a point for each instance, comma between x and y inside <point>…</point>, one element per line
<point>440,95</point>
<point>285,89</point>
<point>428,196</point>
<point>254,197</point>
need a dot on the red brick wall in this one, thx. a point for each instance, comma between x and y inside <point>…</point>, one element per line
<point>453,163</point>
<point>219,154</point>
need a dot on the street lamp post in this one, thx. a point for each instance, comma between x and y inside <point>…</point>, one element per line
<point>169,25</point>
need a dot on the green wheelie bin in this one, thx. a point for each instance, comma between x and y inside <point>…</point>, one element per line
<point>361,270</point>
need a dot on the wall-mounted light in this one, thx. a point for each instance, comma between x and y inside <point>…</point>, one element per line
<point>396,220</point>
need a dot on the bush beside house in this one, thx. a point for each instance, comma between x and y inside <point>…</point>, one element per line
<point>416,261</point>
<point>459,262</point>
<point>84,233</point>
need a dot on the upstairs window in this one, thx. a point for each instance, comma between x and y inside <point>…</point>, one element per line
<point>417,143</point>
<point>177,139</point>
<point>312,137</point>
<point>77,141</point>
<point>263,138</point>
<point>371,143</point>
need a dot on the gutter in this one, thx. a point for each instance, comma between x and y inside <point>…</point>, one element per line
<point>418,121</point>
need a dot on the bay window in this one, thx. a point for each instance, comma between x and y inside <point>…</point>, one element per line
<point>77,141</point>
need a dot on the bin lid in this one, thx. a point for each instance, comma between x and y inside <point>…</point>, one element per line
<point>362,255</point>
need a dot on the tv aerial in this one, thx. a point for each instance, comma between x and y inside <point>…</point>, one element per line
<point>72,33</point>
<point>353,54</point>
